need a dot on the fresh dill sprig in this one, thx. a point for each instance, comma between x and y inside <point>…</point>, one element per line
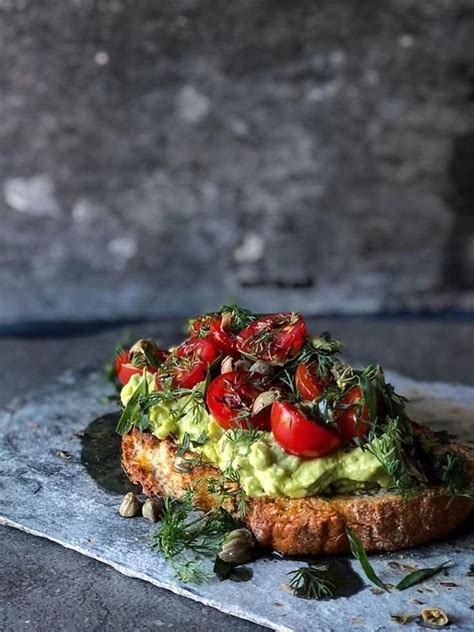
<point>288,380</point>
<point>321,351</point>
<point>392,449</point>
<point>228,488</point>
<point>245,438</point>
<point>314,582</point>
<point>455,474</point>
<point>241,317</point>
<point>186,540</point>
<point>191,572</point>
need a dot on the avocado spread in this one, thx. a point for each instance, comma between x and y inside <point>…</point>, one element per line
<point>264,468</point>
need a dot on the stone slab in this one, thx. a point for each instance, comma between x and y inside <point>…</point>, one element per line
<point>60,479</point>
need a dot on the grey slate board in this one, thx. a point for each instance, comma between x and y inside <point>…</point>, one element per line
<point>66,487</point>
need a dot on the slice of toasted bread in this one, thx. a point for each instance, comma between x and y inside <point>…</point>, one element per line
<point>301,526</point>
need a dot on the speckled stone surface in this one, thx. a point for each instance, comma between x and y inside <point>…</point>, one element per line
<point>57,481</point>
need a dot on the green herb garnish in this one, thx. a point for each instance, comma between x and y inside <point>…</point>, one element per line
<point>185,540</point>
<point>241,317</point>
<point>360,554</point>
<point>420,575</point>
<point>313,582</point>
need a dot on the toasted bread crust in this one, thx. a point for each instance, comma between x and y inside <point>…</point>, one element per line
<point>301,526</point>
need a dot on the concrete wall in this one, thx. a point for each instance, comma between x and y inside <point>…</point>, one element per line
<point>159,157</point>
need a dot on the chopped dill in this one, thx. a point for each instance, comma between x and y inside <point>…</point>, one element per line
<point>314,582</point>
<point>186,539</point>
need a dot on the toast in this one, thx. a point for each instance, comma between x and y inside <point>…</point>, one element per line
<point>383,521</point>
<point>254,414</point>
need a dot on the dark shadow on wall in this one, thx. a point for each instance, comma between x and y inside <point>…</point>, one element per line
<point>459,253</point>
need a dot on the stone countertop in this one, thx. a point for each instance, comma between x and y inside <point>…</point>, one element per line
<point>60,589</point>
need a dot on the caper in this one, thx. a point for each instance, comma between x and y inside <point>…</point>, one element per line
<point>153,509</point>
<point>237,547</point>
<point>130,506</point>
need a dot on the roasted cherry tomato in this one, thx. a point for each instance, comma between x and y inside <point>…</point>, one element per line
<point>299,435</point>
<point>200,326</point>
<point>143,354</point>
<point>189,362</point>
<point>309,384</point>
<point>274,338</point>
<point>218,329</point>
<point>351,424</point>
<point>230,398</point>
<point>224,340</point>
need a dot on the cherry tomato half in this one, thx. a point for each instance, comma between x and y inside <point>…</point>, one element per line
<point>308,383</point>
<point>230,398</point>
<point>200,326</point>
<point>189,362</point>
<point>133,361</point>
<point>273,338</point>
<point>351,424</point>
<point>220,333</point>
<point>223,340</point>
<point>299,435</point>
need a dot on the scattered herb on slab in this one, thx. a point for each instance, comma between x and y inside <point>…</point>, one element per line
<point>359,553</point>
<point>185,539</point>
<point>402,619</point>
<point>314,582</point>
<point>420,575</point>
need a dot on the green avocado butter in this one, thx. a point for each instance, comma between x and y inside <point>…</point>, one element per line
<point>264,468</point>
<point>175,418</point>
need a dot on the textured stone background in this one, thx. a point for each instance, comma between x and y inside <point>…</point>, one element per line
<point>161,157</point>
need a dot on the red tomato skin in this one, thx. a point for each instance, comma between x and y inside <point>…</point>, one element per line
<point>308,384</point>
<point>350,426</point>
<point>223,341</point>
<point>247,388</point>
<point>298,435</point>
<point>286,339</point>
<point>196,325</point>
<point>197,354</point>
<point>191,377</point>
<point>125,369</point>
<point>199,348</point>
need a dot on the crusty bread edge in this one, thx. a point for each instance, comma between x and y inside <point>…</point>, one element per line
<point>301,526</point>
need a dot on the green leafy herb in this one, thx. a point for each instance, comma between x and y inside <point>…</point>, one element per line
<point>369,395</point>
<point>186,540</point>
<point>402,619</point>
<point>244,438</point>
<point>420,575</point>
<point>320,350</point>
<point>455,472</point>
<point>392,448</point>
<point>468,492</point>
<point>133,414</point>
<point>360,554</point>
<point>181,402</point>
<point>313,582</point>
<point>241,317</point>
<point>184,445</point>
<point>227,487</point>
<point>326,343</point>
